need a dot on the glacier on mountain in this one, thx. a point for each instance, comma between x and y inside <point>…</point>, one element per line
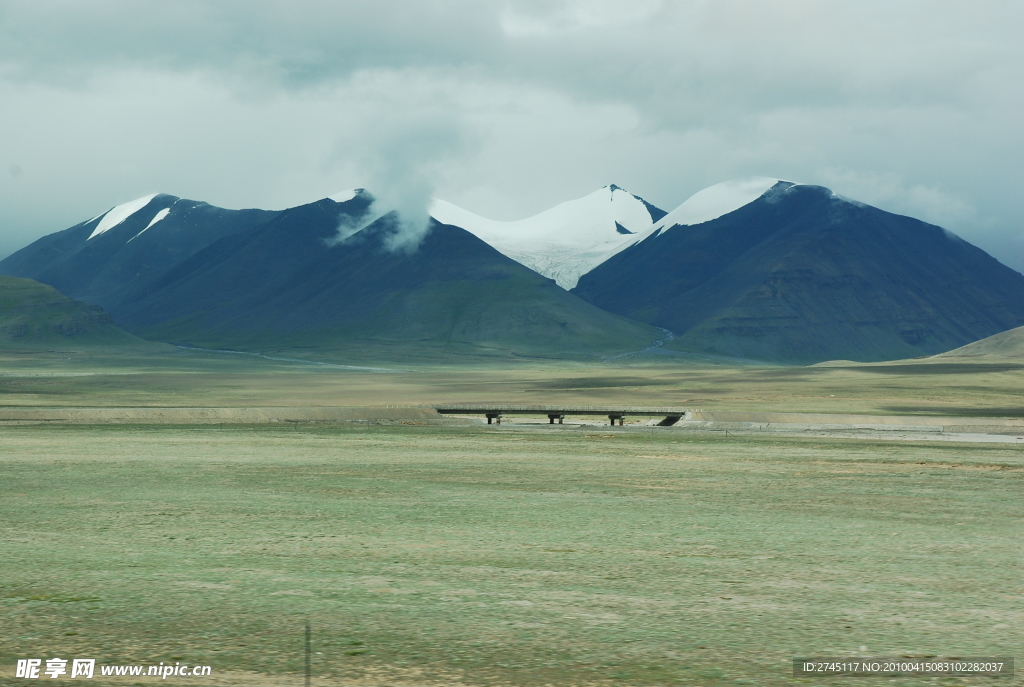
<point>572,238</point>
<point>565,242</point>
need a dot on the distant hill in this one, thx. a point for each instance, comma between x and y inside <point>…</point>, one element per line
<point>288,284</point>
<point>33,314</point>
<point>1005,345</point>
<point>771,270</point>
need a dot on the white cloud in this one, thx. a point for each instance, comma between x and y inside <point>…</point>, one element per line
<point>890,191</point>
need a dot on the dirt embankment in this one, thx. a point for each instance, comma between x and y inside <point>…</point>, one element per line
<point>696,419</point>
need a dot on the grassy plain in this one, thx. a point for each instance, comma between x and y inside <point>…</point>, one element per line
<point>505,556</point>
<point>175,377</point>
<point>443,555</point>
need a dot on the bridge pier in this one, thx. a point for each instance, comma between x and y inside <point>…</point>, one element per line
<point>553,417</point>
<point>616,416</point>
<point>494,416</point>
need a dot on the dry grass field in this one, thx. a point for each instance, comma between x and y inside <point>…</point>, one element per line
<point>429,555</point>
<point>441,555</point>
<point>989,387</point>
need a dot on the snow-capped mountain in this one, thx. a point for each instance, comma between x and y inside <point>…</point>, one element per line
<point>773,270</point>
<point>715,201</point>
<point>320,275</point>
<point>116,253</point>
<point>756,268</point>
<point>568,240</point>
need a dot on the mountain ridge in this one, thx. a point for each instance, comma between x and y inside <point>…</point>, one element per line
<point>756,268</point>
<point>289,282</point>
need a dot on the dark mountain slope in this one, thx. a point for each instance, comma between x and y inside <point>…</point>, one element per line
<point>113,265</point>
<point>33,315</point>
<point>282,285</point>
<point>802,275</point>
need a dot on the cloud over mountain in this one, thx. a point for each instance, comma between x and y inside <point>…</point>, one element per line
<point>908,106</point>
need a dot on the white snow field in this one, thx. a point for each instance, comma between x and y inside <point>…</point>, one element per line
<point>565,242</point>
<point>715,201</point>
<point>116,215</point>
<point>345,196</point>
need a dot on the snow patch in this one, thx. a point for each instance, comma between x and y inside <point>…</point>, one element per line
<point>565,242</point>
<point>717,200</point>
<point>156,218</point>
<point>345,196</point>
<point>120,213</point>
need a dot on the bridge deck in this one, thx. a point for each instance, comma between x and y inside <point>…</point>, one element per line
<point>474,409</point>
<point>613,413</point>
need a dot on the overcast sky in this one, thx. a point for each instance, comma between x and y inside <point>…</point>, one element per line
<point>509,107</point>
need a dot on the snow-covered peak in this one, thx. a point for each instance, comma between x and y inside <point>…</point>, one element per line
<point>717,200</point>
<point>568,240</point>
<point>116,215</point>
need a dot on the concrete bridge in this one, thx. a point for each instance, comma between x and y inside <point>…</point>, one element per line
<point>493,413</point>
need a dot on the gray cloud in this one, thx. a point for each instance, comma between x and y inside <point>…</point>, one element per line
<point>509,107</point>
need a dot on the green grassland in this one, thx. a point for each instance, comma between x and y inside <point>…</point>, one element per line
<point>435,555</point>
